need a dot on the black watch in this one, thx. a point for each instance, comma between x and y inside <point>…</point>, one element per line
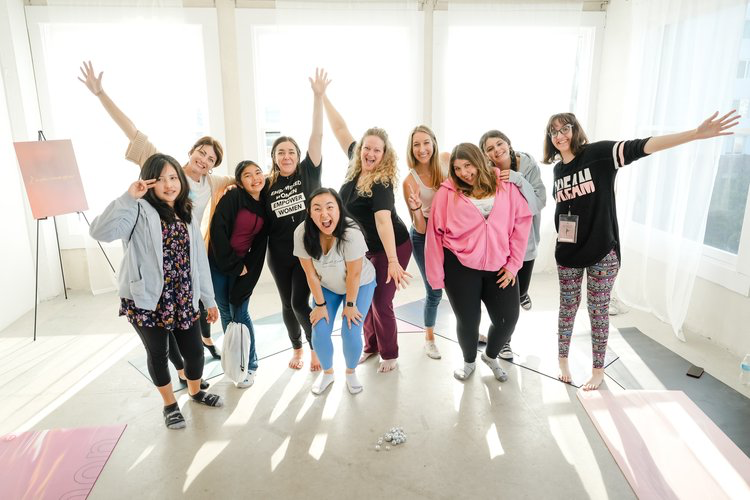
<point>350,304</point>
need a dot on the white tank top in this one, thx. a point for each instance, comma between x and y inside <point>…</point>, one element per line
<point>426,194</point>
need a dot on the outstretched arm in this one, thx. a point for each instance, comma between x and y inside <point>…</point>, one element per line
<point>318,86</point>
<point>94,84</point>
<point>711,127</point>
<point>338,126</point>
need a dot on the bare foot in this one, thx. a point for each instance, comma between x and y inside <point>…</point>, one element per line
<point>296,362</point>
<point>597,377</point>
<point>564,374</point>
<point>365,356</point>
<point>388,365</point>
<point>314,362</point>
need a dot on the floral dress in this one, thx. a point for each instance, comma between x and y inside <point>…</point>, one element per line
<point>175,307</point>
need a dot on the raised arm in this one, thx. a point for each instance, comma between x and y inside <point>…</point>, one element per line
<point>338,126</point>
<point>711,127</point>
<point>94,84</point>
<point>318,85</point>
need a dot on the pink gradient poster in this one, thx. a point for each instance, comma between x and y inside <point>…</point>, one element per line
<point>50,174</point>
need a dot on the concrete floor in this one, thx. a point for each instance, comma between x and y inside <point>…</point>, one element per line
<point>526,438</point>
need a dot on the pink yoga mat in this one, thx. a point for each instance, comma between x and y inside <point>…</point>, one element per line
<point>55,464</point>
<point>667,447</point>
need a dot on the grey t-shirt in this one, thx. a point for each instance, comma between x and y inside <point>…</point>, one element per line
<point>331,267</point>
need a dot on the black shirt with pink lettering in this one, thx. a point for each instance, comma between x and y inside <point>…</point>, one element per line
<point>585,187</point>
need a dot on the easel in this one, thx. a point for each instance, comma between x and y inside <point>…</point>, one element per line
<point>41,137</point>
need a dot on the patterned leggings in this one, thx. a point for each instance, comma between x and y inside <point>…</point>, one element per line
<point>600,280</point>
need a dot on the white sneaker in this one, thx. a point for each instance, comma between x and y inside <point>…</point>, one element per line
<point>506,352</point>
<point>431,349</point>
<point>617,307</point>
<point>249,380</point>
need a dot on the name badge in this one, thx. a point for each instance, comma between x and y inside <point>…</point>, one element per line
<point>567,229</point>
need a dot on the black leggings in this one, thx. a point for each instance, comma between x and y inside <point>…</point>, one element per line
<point>294,292</point>
<point>466,289</point>
<point>174,350</point>
<point>524,277</point>
<point>157,342</point>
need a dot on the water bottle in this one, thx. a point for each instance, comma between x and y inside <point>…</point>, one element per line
<point>745,370</point>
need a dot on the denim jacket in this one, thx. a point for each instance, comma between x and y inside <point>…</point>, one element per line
<point>142,272</point>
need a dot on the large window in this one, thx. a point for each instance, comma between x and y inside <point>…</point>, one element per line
<point>374,59</point>
<point>160,66</point>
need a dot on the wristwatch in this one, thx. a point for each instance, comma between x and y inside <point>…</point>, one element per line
<point>350,304</point>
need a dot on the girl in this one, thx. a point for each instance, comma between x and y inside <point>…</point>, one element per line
<point>586,220</point>
<point>163,276</point>
<point>368,195</point>
<point>205,155</point>
<point>419,189</point>
<point>289,186</point>
<point>236,250</point>
<point>522,170</point>
<point>331,249</point>
<point>476,240</point>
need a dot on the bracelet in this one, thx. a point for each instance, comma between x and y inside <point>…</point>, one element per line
<point>320,305</point>
<point>415,209</point>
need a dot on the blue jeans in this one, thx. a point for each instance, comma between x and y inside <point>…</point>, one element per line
<point>229,312</point>
<point>351,338</point>
<point>432,297</point>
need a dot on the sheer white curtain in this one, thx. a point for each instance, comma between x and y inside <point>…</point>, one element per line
<point>683,64</point>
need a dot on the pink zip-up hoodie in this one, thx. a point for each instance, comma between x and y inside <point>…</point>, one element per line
<point>484,244</point>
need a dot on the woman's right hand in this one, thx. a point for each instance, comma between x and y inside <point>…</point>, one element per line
<point>92,82</point>
<point>320,83</point>
<point>414,201</point>
<point>318,313</point>
<point>505,175</point>
<point>139,188</point>
<point>398,275</point>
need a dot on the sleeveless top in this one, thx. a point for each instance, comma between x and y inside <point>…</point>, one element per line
<point>426,194</point>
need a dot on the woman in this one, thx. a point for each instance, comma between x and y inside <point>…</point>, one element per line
<point>476,240</point>
<point>368,195</point>
<point>164,275</point>
<point>236,250</point>
<point>586,220</point>
<point>522,170</point>
<point>331,249</point>
<point>205,155</point>
<point>419,187</point>
<point>290,183</point>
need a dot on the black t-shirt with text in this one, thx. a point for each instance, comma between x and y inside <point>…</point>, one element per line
<point>363,208</point>
<point>286,204</point>
<point>586,187</point>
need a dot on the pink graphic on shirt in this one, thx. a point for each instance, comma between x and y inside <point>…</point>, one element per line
<point>574,185</point>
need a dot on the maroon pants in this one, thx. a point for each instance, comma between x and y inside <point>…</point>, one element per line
<point>380,323</point>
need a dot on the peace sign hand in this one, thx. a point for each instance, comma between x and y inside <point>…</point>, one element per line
<point>414,201</point>
<point>139,188</point>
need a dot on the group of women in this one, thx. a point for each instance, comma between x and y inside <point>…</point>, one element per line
<point>475,233</point>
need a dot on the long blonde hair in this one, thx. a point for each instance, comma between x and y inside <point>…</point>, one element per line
<point>436,172</point>
<point>386,173</point>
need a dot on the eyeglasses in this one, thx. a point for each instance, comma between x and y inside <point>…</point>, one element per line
<point>563,130</point>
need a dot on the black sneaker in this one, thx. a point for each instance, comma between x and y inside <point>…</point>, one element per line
<point>526,302</point>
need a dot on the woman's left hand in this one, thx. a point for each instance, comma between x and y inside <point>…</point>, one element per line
<point>505,278</point>
<point>212,314</point>
<point>398,275</point>
<point>352,315</point>
<point>320,83</point>
<point>713,126</point>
